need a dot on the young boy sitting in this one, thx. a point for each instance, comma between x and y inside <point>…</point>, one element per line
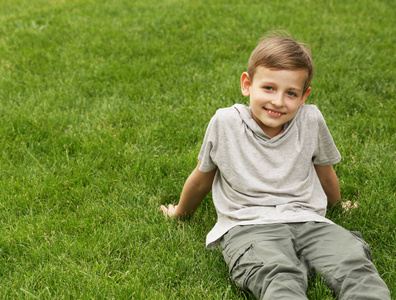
<point>270,168</point>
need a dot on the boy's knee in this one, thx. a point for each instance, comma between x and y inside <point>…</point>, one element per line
<point>357,278</point>
<point>285,286</point>
<point>275,276</point>
<point>274,281</point>
<point>352,267</point>
<point>362,283</point>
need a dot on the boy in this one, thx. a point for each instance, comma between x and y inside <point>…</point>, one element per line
<point>270,167</point>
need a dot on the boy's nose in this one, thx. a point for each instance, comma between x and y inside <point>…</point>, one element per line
<point>277,100</point>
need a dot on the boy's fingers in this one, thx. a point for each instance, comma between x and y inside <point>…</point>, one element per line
<point>163,209</point>
<point>348,205</point>
<point>168,211</point>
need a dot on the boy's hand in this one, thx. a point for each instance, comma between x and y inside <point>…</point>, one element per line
<point>168,211</point>
<point>348,205</point>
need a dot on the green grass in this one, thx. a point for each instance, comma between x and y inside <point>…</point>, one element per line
<point>103,107</point>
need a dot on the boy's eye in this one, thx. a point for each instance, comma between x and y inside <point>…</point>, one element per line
<point>268,88</point>
<point>292,94</point>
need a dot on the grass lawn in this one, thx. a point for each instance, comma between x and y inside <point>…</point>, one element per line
<point>103,108</point>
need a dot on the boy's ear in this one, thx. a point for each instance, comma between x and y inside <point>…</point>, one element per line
<point>305,96</point>
<point>245,84</point>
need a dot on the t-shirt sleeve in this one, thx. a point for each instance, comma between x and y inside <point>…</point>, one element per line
<point>208,147</point>
<point>326,152</point>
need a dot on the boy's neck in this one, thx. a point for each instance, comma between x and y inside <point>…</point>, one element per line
<point>273,132</point>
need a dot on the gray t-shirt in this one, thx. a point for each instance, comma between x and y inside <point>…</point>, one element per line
<point>263,180</point>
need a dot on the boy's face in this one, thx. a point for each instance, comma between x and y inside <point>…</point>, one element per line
<point>275,96</point>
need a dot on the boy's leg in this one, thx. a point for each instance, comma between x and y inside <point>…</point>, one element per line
<point>343,259</point>
<point>262,259</point>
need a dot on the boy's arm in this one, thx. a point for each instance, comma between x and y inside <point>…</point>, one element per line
<point>329,181</point>
<point>196,187</point>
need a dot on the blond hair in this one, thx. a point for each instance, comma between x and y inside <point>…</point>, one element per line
<point>280,51</point>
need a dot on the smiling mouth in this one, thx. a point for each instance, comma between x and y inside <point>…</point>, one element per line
<point>274,113</point>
